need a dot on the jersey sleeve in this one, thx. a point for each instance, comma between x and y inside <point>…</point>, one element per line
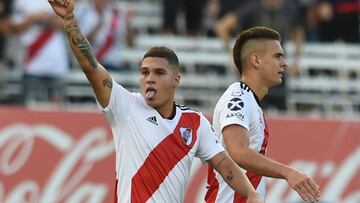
<point>209,145</point>
<point>234,109</point>
<point>121,100</point>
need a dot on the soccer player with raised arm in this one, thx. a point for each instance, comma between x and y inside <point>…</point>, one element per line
<point>155,139</point>
<point>240,124</point>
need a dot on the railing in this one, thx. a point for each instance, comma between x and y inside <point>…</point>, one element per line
<point>329,81</point>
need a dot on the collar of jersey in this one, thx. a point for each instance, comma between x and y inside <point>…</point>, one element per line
<point>255,96</point>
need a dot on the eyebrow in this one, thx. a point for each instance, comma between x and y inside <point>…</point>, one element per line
<point>156,69</point>
<point>279,54</point>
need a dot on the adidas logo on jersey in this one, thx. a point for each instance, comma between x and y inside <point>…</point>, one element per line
<point>152,119</point>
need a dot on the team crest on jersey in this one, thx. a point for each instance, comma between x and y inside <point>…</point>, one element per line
<point>186,135</point>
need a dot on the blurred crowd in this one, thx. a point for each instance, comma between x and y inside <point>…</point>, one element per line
<point>38,47</point>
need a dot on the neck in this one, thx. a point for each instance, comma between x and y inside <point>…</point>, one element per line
<point>256,86</point>
<point>167,110</point>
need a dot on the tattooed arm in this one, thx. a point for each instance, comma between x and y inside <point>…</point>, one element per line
<point>234,177</point>
<point>98,77</point>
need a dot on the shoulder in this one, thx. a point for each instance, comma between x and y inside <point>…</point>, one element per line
<point>237,90</point>
<point>238,96</point>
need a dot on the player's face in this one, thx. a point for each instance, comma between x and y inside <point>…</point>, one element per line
<point>273,63</point>
<point>158,82</point>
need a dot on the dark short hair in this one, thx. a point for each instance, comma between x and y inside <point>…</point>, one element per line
<point>165,53</point>
<point>254,33</point>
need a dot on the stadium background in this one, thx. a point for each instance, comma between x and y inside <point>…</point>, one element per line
<point>53,154</point>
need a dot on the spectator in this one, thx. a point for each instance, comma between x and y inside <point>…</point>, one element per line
<point>278,14</point>
<point>219,9</point>
<point>310,19</point>
<point>225,7</point>
<point>45,59</point>
<point>339,20</point>
<point>4,30</point>
<point>193,10</point>
<point>5,6</point>
<point>108,30</point>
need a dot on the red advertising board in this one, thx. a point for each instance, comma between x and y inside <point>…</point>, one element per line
<point>63,156</point>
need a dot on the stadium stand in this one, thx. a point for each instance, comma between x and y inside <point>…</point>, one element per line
<point>329,80</point>
<point>329,83</point>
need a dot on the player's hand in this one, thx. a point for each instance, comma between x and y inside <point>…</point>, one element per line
<point>254,198</point>
<point>62,8</point>
<point>303,185</point>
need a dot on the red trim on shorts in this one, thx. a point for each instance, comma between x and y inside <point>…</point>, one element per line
<point>162,159</point>
<point>213,183</point>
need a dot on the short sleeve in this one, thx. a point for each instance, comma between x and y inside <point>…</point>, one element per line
<point>234,109</point>
<point>209,145</point>
<point>120,103</point>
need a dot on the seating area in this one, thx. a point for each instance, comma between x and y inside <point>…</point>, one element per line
<point>329,81</point>
<point>328,85</point>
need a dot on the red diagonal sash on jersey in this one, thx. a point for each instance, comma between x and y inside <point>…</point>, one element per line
<point>162,159</point>
<point>109,41</point>
<point>38,44</point>
<point>210,196</point>
<point>115,191</point>
<point>266,138</point>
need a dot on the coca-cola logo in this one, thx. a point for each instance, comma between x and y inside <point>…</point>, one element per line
<point>52,158</point>
<point>67,182</point>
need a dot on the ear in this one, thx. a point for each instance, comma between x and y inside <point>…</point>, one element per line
<point>255,60</point>
<point>176,81</point>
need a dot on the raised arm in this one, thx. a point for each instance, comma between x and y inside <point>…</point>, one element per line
<point>98,77</point>
<point>234,177</point>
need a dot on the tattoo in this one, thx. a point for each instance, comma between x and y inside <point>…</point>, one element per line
<point>220,162</point>
<point>230,177</point>
<point>80,42</point>
<point>107,83</point>
<point>69,17</point>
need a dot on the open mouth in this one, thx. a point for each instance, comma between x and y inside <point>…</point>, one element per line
<point>150,93</point>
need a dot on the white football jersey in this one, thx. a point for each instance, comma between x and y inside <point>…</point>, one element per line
<point>47,46</point>
<point>110,25</point>
<point>240,106</point>
<point>154,154</point>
